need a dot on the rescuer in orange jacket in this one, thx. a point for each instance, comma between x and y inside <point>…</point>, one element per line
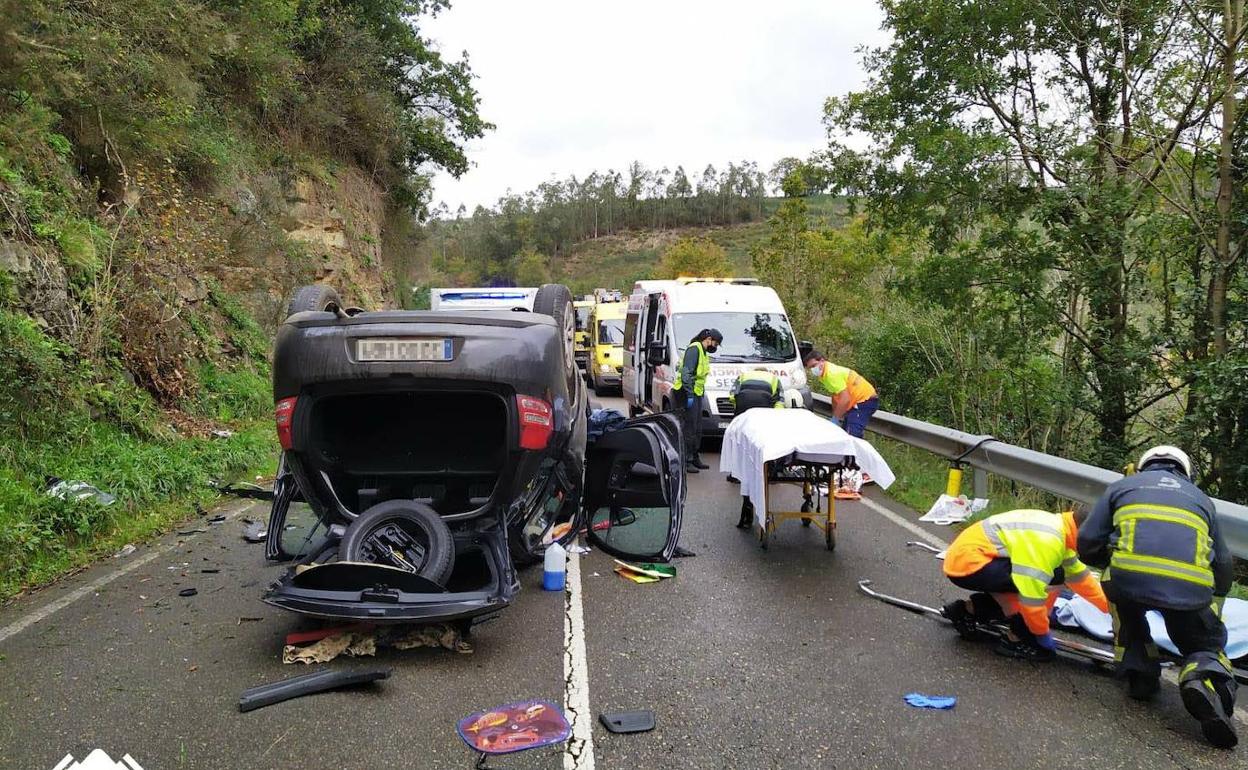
<point>1017,558</point>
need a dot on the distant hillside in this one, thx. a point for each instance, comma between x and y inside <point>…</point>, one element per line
<point>617,261</point>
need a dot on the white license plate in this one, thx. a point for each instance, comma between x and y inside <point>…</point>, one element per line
<point>391,349</point>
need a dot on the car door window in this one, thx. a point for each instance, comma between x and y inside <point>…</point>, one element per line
<point>635,489</point>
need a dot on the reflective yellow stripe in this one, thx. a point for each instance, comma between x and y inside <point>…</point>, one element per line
<point>1155,565</point>
<point>1120,519</point>
<point>1149,511</point>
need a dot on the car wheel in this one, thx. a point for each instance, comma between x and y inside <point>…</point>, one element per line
<point>555,300</point>
<point>404,534</point>
<point>315,297</point>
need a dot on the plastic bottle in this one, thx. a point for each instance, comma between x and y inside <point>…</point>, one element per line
<point>556,568</point>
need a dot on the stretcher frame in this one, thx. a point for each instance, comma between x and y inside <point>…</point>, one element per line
<point>811,475</point>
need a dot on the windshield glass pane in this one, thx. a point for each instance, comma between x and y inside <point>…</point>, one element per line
<point>611,332</point>
<point>747,336</point>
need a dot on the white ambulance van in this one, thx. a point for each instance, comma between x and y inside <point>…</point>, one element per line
<point>482,298</point>
<point>663,318</point>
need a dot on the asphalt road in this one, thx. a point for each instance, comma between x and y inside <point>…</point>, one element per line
<point>749,659</point>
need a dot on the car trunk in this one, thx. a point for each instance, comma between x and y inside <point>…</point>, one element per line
<point>481,582</point>
<point>447,447</point>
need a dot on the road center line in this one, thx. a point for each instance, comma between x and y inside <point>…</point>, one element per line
<point>579,754</point>
<point>52,607</point>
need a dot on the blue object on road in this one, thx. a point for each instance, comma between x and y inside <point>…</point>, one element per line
<point>921,701</point>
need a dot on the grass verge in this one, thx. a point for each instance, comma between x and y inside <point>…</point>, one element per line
<point>158,484</point>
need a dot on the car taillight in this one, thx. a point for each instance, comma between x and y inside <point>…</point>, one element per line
<point>284,415</point>
<point>536,422</point>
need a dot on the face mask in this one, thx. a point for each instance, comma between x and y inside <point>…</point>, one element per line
<point>814,370</point>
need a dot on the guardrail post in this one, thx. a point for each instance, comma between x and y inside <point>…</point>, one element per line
<point>979,482</point>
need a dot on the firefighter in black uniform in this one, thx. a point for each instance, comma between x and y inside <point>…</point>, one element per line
<point>1156,536</point>
<point>757,389</point>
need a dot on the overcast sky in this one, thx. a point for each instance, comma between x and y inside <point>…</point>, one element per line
<point>582,85</point>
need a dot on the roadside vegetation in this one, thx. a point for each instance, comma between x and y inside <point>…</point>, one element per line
<point>146,147</point>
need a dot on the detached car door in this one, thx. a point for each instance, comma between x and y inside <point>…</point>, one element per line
<point>635,489</point>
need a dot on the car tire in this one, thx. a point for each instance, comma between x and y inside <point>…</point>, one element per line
<point>439,558</point>
<point>316,297</point>
<point>555,300</point>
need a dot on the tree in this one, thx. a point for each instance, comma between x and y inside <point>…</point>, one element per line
<point>693,256</point>
<point>1031,143</point>
<point>531,268</point>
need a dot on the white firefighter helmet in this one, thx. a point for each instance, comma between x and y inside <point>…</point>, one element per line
<point>1168,454</point>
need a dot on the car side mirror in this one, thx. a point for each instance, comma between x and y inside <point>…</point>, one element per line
<point>656,353</point>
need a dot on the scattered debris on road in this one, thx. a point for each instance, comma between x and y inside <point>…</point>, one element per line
<point>363,640</point>
<point>514,727</point>
<point>953,510</point>
<point>126,550</point>
<point>644,573</point>
<point>188,592</point>
<point>624,722</point>
<point>255,532</point>
<point>308,684</point>
<point>246,619</point>
<point>246,489</point>
<point>921,701</point>
<point>219,518</point>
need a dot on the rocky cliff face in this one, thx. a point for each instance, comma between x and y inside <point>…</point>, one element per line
<point>306,229</point>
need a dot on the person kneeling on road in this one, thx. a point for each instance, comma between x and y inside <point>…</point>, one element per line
<point>1157,536</point>
<point>687,393</point>
<point>1016,562</point>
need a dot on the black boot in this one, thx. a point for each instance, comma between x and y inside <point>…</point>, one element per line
<point>697,461</point>
<point>691,468</point>
<point>963,620</point>
<point>746,519</point>
<point>1204,701</point>
<point>1141,686</point>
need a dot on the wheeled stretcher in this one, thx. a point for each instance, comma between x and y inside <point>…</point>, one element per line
<point>764,448</point>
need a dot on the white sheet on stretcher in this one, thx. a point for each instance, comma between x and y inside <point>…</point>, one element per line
<point>762,435</point>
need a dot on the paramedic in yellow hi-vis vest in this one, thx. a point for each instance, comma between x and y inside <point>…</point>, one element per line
<point>687,392</point>
<point>1017,562</point>
<point>854,399</point>
<point>1157,537</point>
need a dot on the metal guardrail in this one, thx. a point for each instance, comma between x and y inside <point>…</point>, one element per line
<point>1064,478</point>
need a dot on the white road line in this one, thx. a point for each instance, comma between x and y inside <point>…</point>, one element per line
<point>1169,674</point>
<point>904,523</point>
<point>579,754</point>
<point>52,607</point>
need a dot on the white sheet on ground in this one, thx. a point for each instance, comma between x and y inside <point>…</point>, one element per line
<point>762,435</point>
<point>1077,612</point>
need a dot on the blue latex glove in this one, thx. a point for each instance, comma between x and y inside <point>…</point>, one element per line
<point>689,403</point>
<point>921,701</point>
<point>1047,642</point>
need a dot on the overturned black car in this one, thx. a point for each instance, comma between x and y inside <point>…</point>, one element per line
<point>442,450</point>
